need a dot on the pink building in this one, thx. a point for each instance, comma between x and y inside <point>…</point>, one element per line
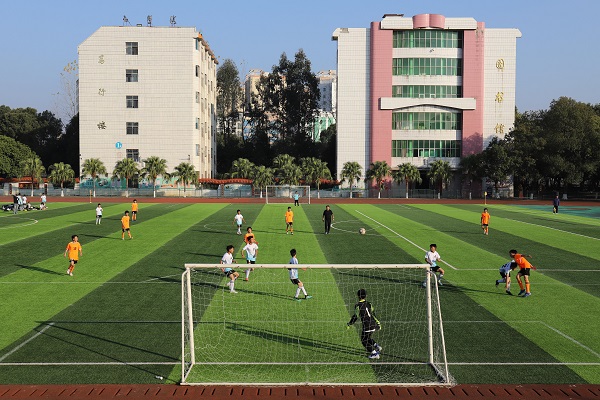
<point>423,88</point>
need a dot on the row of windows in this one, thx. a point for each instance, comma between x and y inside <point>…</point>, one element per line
<point>426,148</point>
<point>428,38</point>
<point>426,120</point>
<point>134,154</point>
<point>427,66</point>
<point>426,91</point>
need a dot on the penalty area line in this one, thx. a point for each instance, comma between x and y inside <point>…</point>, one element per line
<point>27,341</point>
<point>403,237</point>
<point>554,229</point>
<point>41,364</point>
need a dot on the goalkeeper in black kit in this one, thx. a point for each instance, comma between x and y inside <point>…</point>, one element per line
<point>364,310</point>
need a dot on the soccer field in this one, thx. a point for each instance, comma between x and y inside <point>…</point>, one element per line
<point>118,319</point>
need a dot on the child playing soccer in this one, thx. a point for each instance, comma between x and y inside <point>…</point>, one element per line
<point>249,234</point>
<point>294,277</point>
<point>505,271</point>
<point>432,257</point>
<point>238,220</point>
<point>74,251</point>
<point>134,210</point>
<point>125,226</point>
<point>289,221</point>
<point>250,251</point>
<point>227,259</point>
<point>98,214</point>
<point>525,268</point>
<point>485,221</point>
<point>364,310</point>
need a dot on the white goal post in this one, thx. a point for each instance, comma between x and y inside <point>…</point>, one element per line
<point>285,194</point>
<point>263,334</point>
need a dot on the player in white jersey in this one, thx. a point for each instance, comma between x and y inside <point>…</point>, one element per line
<point>229,272</point>
<point>250,251</point>
<point>432,257</point>
<point>238,220</point>
<point>294,277</point>
<point>505,274</point>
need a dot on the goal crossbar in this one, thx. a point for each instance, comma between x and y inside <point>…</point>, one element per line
<point>285,193</point>
<point>321,266</point>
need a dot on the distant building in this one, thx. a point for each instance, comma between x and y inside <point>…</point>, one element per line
<point>148,91</point>
<point>422,88</point>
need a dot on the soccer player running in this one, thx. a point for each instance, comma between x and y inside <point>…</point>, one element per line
<point>505,271</point>
<point>294,277</point>
<point>74,250</point>
<point>432,257</point>
<point>249,234</point>
<point>125,226</point>
<point>370,324</point>
<point>328,219</point>
<point>99,214</point>
<point>289,221</point>
<point>134,210</point>
<point>250,251</point>
<point>239,220</point>
<point>227,259</point>
<point>485,221</point>
<point>525,268</point>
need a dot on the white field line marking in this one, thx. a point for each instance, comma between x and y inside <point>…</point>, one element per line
<point>162,277</point>
<point>25,342</point>
<point>35,221</point>
<point>399,235</point>
<point>539,270</point>
<point>554,229</point>
<point>39,364</point>
<point>570,339</point>
<point>526,363</point>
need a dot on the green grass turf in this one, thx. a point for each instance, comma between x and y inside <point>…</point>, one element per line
<point>123,304</point>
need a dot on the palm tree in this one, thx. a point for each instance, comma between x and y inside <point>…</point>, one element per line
<point>263,176</point>
<point>315,170</point>
<point>351,172</point>
<point>126,169</point>
<point>291,174</point>
<point>281,163</point>
<point>61,173</point>
<point>153,167</point>
<point>186,174</point>
<point>242,168</point>
<point>407,173</point>
<point>439,171</point>
<point>93,167</point>
<point>377,171</point>
<point>32,166</point>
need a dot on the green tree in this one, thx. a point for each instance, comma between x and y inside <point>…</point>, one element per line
<point>351,171</point>
<point>32,167</point>
<point>153,168</point>
<point>497,161</point>
<point>126,169</point>
<point>291,174</point>
<point>93,167</point>
<point>471,169</point>
<point>59,174</point>
<point>439,171</point>
<point>328,146</point>
<point>242,168</point>
<point>186,174</point>
<point>263,176</point>
<point>315,171</point>
<point>283,164</point>
<point>229,109</point>
<point>377,172</point>
<point>11,155</point>
<point>406,174</point>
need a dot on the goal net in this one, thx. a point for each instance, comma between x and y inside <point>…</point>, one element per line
<point>287,193</point>
<point>263,335</point>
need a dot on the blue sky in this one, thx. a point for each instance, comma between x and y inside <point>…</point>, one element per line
<point>556,56</point>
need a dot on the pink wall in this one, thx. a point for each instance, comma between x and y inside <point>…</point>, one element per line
<point>381,86</point>
<point>429,21</point>
<point>473,85</point>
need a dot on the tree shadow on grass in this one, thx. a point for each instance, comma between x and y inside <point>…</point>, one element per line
<point>38,269</point>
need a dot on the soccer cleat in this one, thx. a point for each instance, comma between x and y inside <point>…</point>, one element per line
<point>292,233</point>
<point>497,283</point>
<point>68,272</point>
<point>374,355</point>
<point>246,279</point>
<point>522,292</point>
<point>297,299</point>
<point>233,291</point>
<point>424,284</point>
<point>509,293</point>
<point>378,347</point>
<point>308,297</point>
<point>440,283</point>
<point>527,295</point>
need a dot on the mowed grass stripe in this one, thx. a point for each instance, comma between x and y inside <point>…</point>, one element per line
<point>102,260</point>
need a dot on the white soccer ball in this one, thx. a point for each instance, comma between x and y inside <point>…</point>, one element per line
<point>362,231</point>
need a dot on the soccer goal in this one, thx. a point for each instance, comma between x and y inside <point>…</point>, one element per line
<point>263,335</point>
<point>286,193</point>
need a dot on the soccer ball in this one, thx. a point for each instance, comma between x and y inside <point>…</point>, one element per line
<point>362,231</point>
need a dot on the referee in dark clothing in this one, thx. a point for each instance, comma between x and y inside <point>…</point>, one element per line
<point>328,218</point>
<point>364,310</point>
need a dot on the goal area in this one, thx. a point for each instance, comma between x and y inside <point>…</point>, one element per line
<point>286,193</point>
<point>263,335</point>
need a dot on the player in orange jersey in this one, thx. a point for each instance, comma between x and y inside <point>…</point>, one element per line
<point>525,268</point>
<point>485,221</point>
<point>289,221</point>
<point>134,210</point>
<point>74,251</point>
<point>125,226</point>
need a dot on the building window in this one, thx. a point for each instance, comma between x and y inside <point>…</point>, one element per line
<point>197,150</point>
<point>426,148</point>
<point>133,128</point>
<point>426,91</point>
<point>197,97</point>
<point>131,75</point>
<point>197,70</point>
<point>197,123</point>
<point>133,154</point>
<point>428,39</point>
<point>132,101</point>
<point>427,66</point>
<point>131,48</point>
<point>426,121</point>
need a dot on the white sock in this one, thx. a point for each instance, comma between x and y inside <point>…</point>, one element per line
<point>297,292</point>
<point>303,290</point>
<point>247,273</point>
<point>232,285</point>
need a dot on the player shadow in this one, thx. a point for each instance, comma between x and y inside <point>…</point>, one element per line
<point>257,292</point>
<point>38,269</point>
<point>98,236</point>
<point>212,256</point>
<point>94,338</point>
<point>464,289</point>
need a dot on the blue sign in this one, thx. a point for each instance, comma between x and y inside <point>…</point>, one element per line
<point>118,145</point>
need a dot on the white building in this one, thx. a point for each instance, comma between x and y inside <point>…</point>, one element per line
<point>148,91</point>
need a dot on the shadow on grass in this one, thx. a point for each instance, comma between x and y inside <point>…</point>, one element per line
<point>38,269</point>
